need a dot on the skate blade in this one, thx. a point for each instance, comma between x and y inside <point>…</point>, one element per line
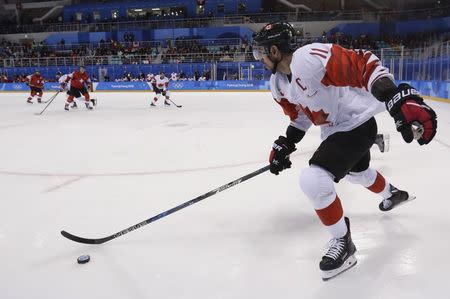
<point>349,263</point>
<point>410,198</point>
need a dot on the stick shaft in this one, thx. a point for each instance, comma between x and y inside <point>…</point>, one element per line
<point>49,102</point>
<point>179,106</point>
<point>165,213</point>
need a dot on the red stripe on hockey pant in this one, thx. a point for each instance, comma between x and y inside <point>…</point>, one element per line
<point>331,214</point>
<point>86,97</point>
<point>70,99</point>
<point>379,184</point>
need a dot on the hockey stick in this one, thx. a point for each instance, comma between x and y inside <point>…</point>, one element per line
<point>178,106</point>
<point>45,102</point>
<point>166,213</point>
<point>48,103</point>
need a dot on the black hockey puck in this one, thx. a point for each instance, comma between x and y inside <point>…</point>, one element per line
<point>83,259</point>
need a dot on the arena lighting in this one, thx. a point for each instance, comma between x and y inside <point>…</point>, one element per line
<point>156,8</point>
<point>138,9</point>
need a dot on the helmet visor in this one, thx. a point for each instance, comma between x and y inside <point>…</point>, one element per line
<point>259,52</point>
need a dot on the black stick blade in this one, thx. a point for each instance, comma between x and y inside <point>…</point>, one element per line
<point>84,240</point>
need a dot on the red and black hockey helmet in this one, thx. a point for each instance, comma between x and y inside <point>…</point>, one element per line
<point>280,33</point>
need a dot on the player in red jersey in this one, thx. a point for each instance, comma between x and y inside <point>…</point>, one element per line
<point>36,84</point>
<point>79,84</point>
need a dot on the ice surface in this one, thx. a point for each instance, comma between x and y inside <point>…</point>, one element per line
<point>94,173</point>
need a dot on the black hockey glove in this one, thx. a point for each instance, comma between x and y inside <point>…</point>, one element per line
<point>408,108</point>
<point>279,156</point>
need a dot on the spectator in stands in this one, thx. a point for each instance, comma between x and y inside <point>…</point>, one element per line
<point>182,76</point>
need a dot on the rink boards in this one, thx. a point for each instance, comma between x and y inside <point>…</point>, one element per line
<point>439,89</point>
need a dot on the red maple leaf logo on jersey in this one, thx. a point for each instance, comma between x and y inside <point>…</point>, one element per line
<point>317,117</point>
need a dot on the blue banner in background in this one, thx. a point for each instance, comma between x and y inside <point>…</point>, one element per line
<point>219,85</point>
<point>24,87</point>
<point>138,85</point>
<point>431,88</point>
<point>51,86</point>
<point>427,88</point>
<point>14,87</point>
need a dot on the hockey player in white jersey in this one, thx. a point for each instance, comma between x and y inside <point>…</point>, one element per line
<point>65,86</point>
<point>161,89</point>
<point>339,90</point>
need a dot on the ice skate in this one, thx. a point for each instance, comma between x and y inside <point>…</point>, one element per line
<point>382,141</point>
<point>88,106</point>
<point>94,102</point>
<point>74,105</point>
<point>29,101</point>
<point>398,197</point>
<point>66,107</point>
<point>39,101</point>
<point>340,255</point>
<point>152,104</point>
<point>166,103</point>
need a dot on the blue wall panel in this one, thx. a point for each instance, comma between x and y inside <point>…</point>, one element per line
<point>105,8</point>
<point>400,28</point>
<point>147,34</point>
<point>83,37</point>
<point>426,88</point>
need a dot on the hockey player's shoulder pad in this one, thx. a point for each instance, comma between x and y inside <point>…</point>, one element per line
<point>308,64</point>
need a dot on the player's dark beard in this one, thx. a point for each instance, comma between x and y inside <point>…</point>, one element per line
<point>274,70</point>
<point>275,64</point>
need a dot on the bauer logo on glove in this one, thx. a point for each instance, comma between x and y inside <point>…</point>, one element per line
<point>399,95</point>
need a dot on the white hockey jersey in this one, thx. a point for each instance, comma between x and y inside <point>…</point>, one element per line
<point>161,83</point>
<point>279,87</point>
<point>331,86</point>
<point>150,78</point>
<point>62,81</point>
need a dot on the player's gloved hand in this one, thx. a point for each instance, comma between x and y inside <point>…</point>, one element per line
<point>279,156</point>
<point>63,87</point>
<point>406,107</point>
